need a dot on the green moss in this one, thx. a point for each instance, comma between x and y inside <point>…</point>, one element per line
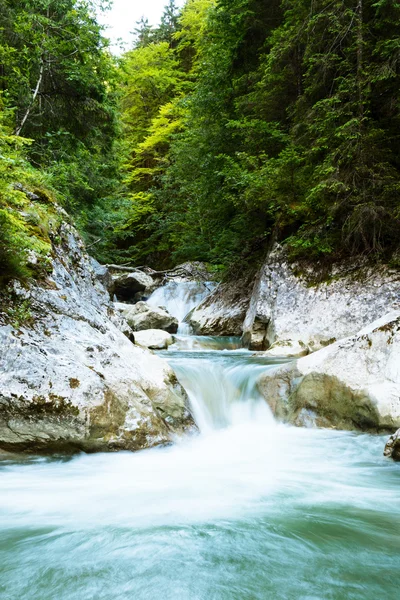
<point>18,312</point>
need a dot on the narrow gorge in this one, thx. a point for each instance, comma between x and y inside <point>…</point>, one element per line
<point>227,475</point>
<point>199,300</point>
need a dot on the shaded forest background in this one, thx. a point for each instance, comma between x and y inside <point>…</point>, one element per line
<point>232,125</point>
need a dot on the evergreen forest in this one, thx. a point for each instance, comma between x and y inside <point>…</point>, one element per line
<point>233,125</point>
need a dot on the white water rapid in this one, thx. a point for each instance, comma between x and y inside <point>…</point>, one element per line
<point>246,510</point>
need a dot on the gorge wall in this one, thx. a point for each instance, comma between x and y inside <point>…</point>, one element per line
<point>69,377</point>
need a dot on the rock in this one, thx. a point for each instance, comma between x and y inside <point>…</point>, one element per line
<point>351,384</point>
<point>154,339</point>
<point>128,285</point>
<point>222,312</point>
<point>141,316</point>
<point>392,448</point>
<point>102,274</point>
<point>288,349</point>
<point>285,306</point>
<point>69,378</point>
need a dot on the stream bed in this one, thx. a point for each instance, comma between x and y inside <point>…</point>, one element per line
<point>246,510</point>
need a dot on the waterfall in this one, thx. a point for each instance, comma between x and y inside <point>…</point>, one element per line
<point>222,387</point>
<point>179,298</point>
<point>220,378</point>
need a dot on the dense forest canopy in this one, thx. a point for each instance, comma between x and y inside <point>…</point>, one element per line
<point>230,126</point>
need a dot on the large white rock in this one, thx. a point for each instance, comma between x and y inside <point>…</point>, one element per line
<point>287,349</point>
<point>141,316</point>
<point>154,339</point>
<point>128,285</point>
<point>222,312</point>
<point>70,379</point>
<point>351,384</point>
<point>285,306</point>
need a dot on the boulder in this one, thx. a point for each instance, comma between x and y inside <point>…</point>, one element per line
<point>351,384</point>
<point>70,380</point>
<point>154,339</point>
<point>287,349</point>
<point>141,316</point>
<point>392,448</point>
<point>222,312</point>
<point>128,285</point>
<point>287,304</point>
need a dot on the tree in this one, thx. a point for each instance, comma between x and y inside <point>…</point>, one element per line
<point>58,75</point>
<point>144,33</point>
<point>169,24</point>
<point>283,127</point>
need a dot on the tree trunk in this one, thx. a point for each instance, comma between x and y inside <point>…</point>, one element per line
<point>32,102</point>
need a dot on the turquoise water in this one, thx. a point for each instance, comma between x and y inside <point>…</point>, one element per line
<point>247,510</point>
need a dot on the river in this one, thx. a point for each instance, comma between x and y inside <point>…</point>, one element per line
<point>247,510</point>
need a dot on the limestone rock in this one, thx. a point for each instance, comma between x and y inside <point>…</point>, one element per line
<point>128,285</point>
<point>351,384</point>
<point>288,349</point>
<point>103,275</point>
<point>222,312</point>
<point>392,448</point>
<point>284,305</point>
<point>141,316</point>
<point>154,339</point>
<point>69,378</point>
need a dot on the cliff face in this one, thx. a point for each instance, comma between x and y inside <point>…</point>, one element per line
<point>69,378</point>
<point>284,307</point>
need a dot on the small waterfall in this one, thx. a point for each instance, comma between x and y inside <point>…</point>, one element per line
<point>222,387</point>
<point>179,298</point>
<point>219,376</point>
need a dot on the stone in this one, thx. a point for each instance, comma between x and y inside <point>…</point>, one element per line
<point>102,274</point>
<point>70,380</point>
<point>128,285</point>
<point>392,448</point>
<point>287,349</point>
<point>154,339</point>
<point>141,316</point>
<point>351,384</point>
<point>285,304</point>
<point>222,312</point>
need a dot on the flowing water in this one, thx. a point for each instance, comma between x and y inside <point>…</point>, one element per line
<point>179,298</point>
<point>246,510</point>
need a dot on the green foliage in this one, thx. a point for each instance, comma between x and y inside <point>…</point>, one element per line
<point>19,312</point>
<point>25,220</point>
<point>60,80</point>
<point>231,125</point>
<point>286,128</point>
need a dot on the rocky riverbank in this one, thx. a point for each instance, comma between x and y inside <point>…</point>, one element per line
<point>76,373</point>
<point>344,331</point>
<point>351,384</point>
<point>70,379</point>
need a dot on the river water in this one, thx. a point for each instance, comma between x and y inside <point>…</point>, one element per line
<point>246,510</point>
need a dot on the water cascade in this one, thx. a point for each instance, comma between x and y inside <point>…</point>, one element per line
<point>179,298</point>
<point>247,509</point>
<point>222,386</point>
